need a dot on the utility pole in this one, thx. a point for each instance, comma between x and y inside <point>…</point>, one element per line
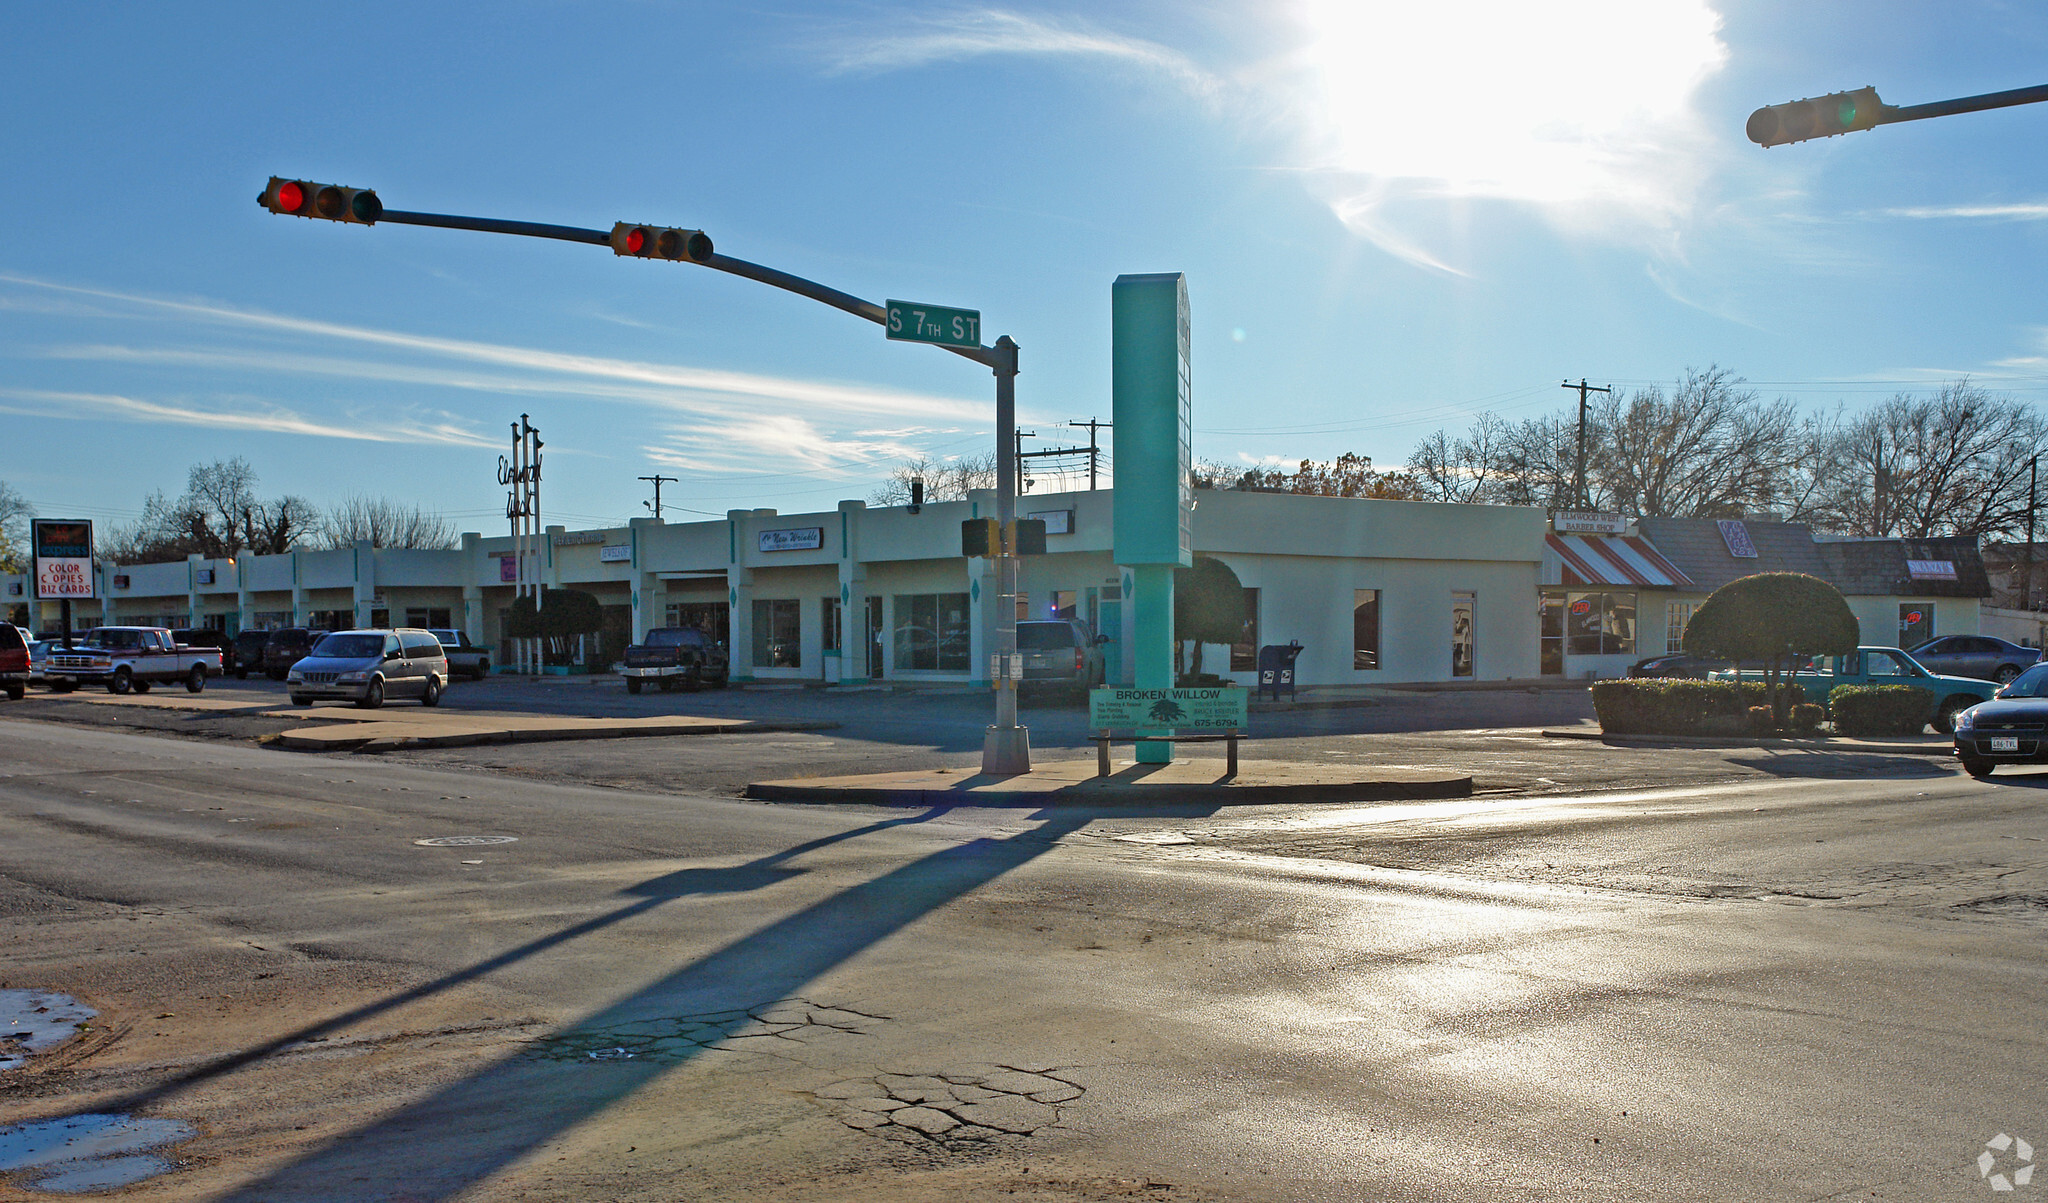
<point>1092,426</point>
<point>1017,453</point>
<point>657,480</point>
<point>2033,478</point>
<point>1579,472</point>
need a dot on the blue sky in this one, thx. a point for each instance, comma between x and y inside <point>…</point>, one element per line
<point>1391,220</point>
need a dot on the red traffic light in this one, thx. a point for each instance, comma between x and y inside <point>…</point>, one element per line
<point>657,242</point>
<point>303,198</point>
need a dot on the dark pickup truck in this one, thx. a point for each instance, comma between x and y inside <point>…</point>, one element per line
<point>675,657</point>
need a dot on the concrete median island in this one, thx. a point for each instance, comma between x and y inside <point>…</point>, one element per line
<point>1074,783</point>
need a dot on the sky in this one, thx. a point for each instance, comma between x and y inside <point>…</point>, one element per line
<point>1392,217</point>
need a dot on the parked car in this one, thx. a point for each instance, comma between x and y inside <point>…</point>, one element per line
<point>463,656</point>
<point>208,637</point>
<point>39,660</point>
<point>676,656</point>
<point>284,647</point>
<point>2011,728</point>
<point>368,666</point>
<point>1883,666</point>
<point>14,661</point>
<point>1978,656</point>
<point>132,658</point>
<point>1060,653</point>
<point>249,652</point>
<point>1678,664</point>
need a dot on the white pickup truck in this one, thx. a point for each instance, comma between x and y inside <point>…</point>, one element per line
<point>131,658</point>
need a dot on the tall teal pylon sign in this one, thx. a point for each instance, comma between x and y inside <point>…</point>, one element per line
<point>1154,501</point>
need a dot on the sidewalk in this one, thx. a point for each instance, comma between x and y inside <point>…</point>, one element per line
<point>1897,745</point>
<point>1074,783</point>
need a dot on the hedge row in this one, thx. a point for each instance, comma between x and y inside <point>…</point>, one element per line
<point>1664,706</point>
<point>1880,709</point>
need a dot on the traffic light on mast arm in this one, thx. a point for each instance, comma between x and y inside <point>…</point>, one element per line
<point>1821,117</point>
<point>304,198</point>
<point>659,242</point>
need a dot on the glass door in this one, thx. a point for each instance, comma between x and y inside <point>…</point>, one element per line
<point>1552,637</point>
<point>1464,651</point>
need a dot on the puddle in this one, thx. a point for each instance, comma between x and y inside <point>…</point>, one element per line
<point>466,841</point>
<point>33,1020</point>
<point>82,1153</point>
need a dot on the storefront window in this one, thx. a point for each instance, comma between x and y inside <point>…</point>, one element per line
<point>1916,623</point>
<point>931,632</point>
<point>1464,635</point>
<point>778,633</point>
<point>828,615</point>
<point>1600,624</point>
<point>1677,617</point>
<point>1244,651</point>
<point>431,618</point>
<point>1365,628</point>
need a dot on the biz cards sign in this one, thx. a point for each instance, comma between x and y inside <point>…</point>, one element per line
<point>1222,708</point>
<point>62,549</point>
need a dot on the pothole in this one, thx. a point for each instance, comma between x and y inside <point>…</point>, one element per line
<point>2010,906</point>
<point>81,1153</point>
<point>763,1028</point>
<point>34,1020</point>
<point>953,1108</point>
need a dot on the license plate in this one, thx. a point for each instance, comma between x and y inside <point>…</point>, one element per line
<point>2005,743</point>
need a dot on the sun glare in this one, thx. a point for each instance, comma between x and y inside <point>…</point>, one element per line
<point>1585,102</point>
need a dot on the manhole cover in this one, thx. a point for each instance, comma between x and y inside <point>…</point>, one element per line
<point>466,841</point>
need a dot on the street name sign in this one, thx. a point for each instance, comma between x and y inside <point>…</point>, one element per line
<point>912,322</point>
<point>1121,708</point>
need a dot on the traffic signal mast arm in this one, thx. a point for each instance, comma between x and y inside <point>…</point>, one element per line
<point>1847,112</point>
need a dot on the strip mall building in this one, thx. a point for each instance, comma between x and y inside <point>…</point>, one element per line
<point>1376,592</point>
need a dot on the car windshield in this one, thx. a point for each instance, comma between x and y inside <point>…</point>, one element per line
<point>107,637</point>
<point>2032,683</point>
<point>670,637</point>
<point>350,647</point>
<point>1043,636</point>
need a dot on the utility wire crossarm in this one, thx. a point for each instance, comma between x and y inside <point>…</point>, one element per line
<point>1007,750</point>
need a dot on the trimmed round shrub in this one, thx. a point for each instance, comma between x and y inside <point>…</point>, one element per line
<point>1807,717</point>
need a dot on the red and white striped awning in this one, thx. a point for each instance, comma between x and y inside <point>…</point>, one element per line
<point>1613,560</point>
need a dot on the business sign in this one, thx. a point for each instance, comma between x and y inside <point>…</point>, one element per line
<point>802,538</point>
<point>203,576</point>
<point>578,538</point>
<point>1219,708</point>
<point>508,569</point>
<point>1931,570</point>
<point>1588,522</point>
<point>1736,536</point>
<point>615,553</point>
<point>1057,522</point>
<point>1149,389</point>
<point>62,550</point>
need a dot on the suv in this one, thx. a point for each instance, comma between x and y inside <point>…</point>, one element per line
<point>285,647</point>
<point>249,652</point>
<point>672,656</point>
<point>208,637</point>
<point>13,661</point>
<point>367,666</point>
<point>1060,652</point>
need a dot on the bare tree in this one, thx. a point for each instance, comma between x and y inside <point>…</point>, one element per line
<point>1953,463</point>
<point>944,480</point>
<point>1711,449</point>
<point>1349,475</point>
<point>15,511</point>
<point>386,523</point>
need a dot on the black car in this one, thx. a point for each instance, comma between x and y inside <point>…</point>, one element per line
<point>249,653</point>
<point>287,646</point>
<point>208,637</point>
<point>2011,728</point>
<point>1678,664</point>
<point>1978,656</point>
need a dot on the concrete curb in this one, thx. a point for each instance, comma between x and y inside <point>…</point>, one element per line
<point>1822,744</point>
<point>331,739</point>
<point>1073,783</point>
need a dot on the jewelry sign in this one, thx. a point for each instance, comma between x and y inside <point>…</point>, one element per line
<point>62,549</point>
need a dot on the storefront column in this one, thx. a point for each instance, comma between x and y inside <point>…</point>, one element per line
<point>195,605</point>
<point>985,601</point>
<point>365,584</point>
<point>740,596</point>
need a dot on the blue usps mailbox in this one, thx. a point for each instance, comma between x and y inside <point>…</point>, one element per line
<point>1276,667</point>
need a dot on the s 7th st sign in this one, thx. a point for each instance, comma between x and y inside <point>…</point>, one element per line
<point>909,321</point>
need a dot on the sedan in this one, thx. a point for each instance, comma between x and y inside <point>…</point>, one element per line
<point>1978,656</point>
<point>1678,664</point>
<point>2008,729</point>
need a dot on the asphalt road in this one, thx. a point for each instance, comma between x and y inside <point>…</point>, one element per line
<point>1776,986</point>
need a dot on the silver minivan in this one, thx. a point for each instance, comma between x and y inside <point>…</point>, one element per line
<point>366,667</point>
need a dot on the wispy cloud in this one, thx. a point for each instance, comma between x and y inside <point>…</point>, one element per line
<point>980,32</point>
<point>2032,211</point>
<point>274,419</point>
<point>738,444</point>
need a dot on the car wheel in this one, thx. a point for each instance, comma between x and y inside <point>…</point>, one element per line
<point>373,697</point>
<point>632,685</point>
<point>195,681</point>
<point>1945,718</point>
<point>241,674</point>
<point>16,691</point>
<point>432,697</point>
<point>668,684</point>
<point>1979,769</point>
<point>122,681</point>
<point>483,669</point>
<point>2005,674</point>
<point>142,686</point>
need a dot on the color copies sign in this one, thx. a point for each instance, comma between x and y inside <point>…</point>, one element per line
<point>1119,708</point>
<point>62,550</point>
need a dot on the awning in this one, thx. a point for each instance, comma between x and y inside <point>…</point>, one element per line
<point>1614,560</point>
